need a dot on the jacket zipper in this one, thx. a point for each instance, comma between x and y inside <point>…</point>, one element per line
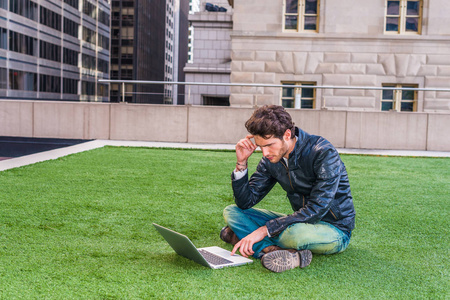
<point>333,214</point>
<point>289,175</point>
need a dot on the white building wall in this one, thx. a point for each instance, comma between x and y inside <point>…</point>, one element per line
<point>350,48</point>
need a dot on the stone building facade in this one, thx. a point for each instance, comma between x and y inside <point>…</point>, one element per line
<point>393,44</point>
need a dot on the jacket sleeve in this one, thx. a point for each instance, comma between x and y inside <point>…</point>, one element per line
<point>248,193</point>
<point>327,168</point>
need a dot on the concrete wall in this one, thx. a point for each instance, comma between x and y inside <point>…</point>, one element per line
<point>206,124</point>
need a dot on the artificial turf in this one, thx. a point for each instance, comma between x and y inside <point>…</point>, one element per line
<point>79,227</point>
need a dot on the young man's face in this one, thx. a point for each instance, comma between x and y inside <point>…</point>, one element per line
<point>274,149</point>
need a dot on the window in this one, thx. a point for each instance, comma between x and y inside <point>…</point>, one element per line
<point>89,36</point>
<point>49,83</point>
<point>22,43</point>
<point>49,51</point>
<point>87,88</point>
<point>103,17</point>
<point>50,18</point>
<point>71,27</point>
<point>20,80</point>
<point>70,57</point>
<point>70,86</point>
<point>3,78</point>
<point>399,100</point>
<point>89,9</point>
<point>3,38</point>
<point>299,97</point>
<point>73,3</point>
<point>88,62</point>
<point>25,8</point>
<point>102,65</point>
<point>103,41</point>
<point>403,16</point>
<point>102,90</point>
<point>301,15</point>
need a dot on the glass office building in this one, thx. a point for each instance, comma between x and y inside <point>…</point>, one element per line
<point>54,49</point>
<point>149,43</point>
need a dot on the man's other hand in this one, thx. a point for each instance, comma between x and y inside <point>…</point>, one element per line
<point>245,245</point>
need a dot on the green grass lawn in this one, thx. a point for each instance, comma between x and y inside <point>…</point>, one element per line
<point>79,227</point>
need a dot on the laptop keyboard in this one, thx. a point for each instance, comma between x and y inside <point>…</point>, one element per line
<point>213,258</point>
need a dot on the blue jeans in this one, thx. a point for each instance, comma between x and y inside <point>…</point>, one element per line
<point>320,238</point>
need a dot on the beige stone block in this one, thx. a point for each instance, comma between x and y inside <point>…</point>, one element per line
<point>241,100</point>
<point>349,92</point>
<point>350,69</point>
<point>268,78</point>
<point>252,90</point>
<point>438,59</point>
<point>401,64</point>
<point>286,60</point>
<point>427,71</point>
<point>437,82</point>
<point>366,58</point>
<point>363,80</point>
<point>372,93</point>
<point>266,100</point>
<point>253,66</point>
<point>312,61</point>
<point>443,71</point>
<point>429,94</point>
<point>414,64</point>
<point>337,57</point>
<point>300,62</point>
<point>273,91</point>
<point>327,92</point>
<point>375,69</point>
<point>325,68</point>
<point>235,89</point>
<point>336,80</point>
<point>438,133</point>
<point>266,56</point>
<point>433,105</point>
<point>274,67</point>
<point>362,102</point>
<point>335,102</point>
<point>443,95</point>
<point>237,55</point>
<point>388,63</point>
<point>242,77</point>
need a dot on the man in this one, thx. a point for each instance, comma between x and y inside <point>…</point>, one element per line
<point>310,170</point>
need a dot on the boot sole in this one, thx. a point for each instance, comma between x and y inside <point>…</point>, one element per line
<point>283,260</point>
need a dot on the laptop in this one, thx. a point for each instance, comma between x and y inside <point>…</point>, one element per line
<point>211,257</point>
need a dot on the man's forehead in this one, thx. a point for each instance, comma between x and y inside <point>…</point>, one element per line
<point>262,141</point>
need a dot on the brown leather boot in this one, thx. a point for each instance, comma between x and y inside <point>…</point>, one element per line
<point>228,236</point>
<point>282,260</point>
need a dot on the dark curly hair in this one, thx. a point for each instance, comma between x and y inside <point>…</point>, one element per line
<point>270,121</point>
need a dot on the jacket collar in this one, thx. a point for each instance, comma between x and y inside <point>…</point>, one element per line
<point>294,156</point>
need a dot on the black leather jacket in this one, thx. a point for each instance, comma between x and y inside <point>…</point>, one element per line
<point>315,180</point>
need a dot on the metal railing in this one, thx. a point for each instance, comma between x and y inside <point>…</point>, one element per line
<point>189,84</point>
